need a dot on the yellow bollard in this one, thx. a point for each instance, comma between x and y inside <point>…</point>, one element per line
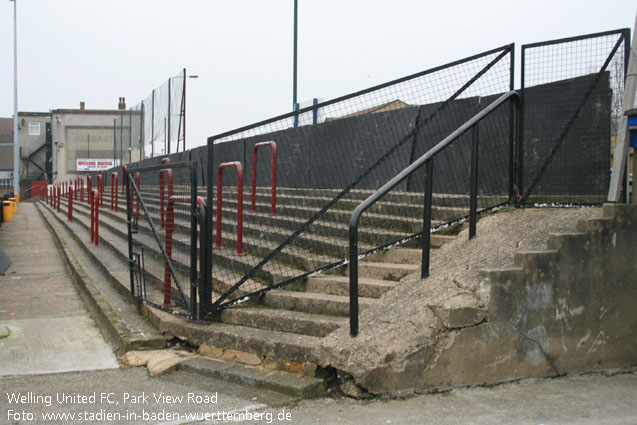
<point>17,198</point>
<point>7,210</point>
<point>15,205</point>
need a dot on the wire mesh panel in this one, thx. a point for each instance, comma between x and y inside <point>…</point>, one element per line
<point>160,207</point>
<point>322,171</point>
<point>155,126</point>
<point>572,97</point>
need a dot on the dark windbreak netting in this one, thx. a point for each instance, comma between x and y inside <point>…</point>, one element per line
<point>572,97</point>
<point>330,157</point>
<point>161,221</point>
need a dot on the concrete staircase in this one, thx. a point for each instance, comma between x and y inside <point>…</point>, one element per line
<point>278,333</point>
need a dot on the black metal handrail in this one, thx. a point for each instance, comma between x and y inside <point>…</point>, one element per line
<point>427,161</point>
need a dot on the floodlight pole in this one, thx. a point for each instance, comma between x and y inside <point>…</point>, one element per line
<point>296,20</point>
<point>16,143</point>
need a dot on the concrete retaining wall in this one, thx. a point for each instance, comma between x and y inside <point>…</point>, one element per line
<point>565,310</point>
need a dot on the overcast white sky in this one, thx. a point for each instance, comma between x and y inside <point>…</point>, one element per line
<point>96,51</point>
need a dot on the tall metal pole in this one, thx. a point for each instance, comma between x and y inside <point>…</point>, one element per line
<point>16,143</point>
<point>296,21</point>
<point>183,100</point>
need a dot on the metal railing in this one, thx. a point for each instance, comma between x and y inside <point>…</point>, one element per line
<point>426,160</point>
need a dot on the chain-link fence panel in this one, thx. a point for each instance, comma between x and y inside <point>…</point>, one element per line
<point>572,98</point>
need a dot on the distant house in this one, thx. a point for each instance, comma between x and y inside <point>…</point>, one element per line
<point>385,107</point>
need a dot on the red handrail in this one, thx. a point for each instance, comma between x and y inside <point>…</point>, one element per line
<point>114,191</point>
<point>239,167</point>
<point>254,175</point>
<point>59,195</point>
<point>170,228</point>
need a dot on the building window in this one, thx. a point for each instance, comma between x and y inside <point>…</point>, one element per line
<point>34,129</point>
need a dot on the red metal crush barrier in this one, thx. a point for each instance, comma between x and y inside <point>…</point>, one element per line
<point>59,195</point>
<point>254,175</point>
<point>70,209</point>
<point>89,188</point>
<point>170,229</point>
<point>100,187</point>
<point>239,167</point>
<point>94,200</point>
<point>114,192</point>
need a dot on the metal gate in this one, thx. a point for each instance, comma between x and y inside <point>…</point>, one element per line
<point>163,216</point>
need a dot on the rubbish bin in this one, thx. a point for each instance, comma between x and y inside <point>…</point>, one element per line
<point>7,210</point>
<point>15,204</point>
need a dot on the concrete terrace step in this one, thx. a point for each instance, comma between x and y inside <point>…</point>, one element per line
<point>274,380</point>
<point>339,285</point>
<point>118,318</point>
<point>312,302</point>
<point>282,320</point>
<point>262,342</point>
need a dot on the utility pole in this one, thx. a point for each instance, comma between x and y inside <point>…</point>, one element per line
<point>16,143</point>
<point>296,21</point>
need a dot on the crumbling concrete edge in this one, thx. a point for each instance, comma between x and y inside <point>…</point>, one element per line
<point>512,342</point>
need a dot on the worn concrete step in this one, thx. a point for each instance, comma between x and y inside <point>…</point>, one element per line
<point>312,302</point>
<point>282,320</point>
<point>274,380</point>
<point>384,271</point>
<point>262,342</point>
<point>339,285</point>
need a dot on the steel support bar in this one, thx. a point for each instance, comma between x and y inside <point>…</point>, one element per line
<point>426,219</point>
<point>473,194</point>
<point>239,168</point>
<point>254,175</point>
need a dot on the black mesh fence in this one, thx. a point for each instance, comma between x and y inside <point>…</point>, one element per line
<point>347,149</point>
<point>161,234</point>
<point>572,97</point>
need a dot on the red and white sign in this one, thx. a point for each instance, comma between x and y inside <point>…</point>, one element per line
<point>95,164</point>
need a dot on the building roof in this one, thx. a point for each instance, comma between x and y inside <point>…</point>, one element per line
<point>89,111</point>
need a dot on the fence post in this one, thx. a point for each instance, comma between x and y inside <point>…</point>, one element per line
<point>170,223</point>
<point>473,196</point>
<point>124,169</point>
<point>138,183</point>
<point>254,175</point>
<point>239,167</point>
<point>426,221</point>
